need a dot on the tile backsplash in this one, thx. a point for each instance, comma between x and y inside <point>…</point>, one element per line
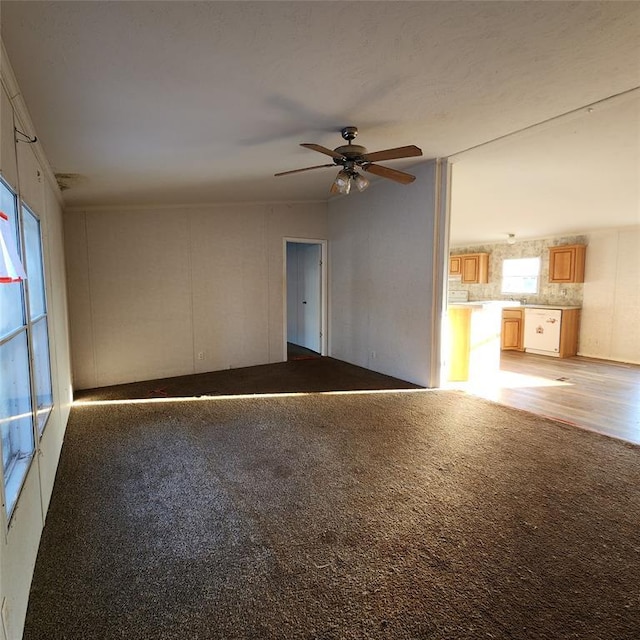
<point>548,293</point>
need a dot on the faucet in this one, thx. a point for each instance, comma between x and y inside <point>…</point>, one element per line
<point>523,301</point>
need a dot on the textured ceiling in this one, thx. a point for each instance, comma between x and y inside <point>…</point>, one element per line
<point>181,102</point>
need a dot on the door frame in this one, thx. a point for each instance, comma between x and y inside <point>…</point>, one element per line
<point>323,291</point>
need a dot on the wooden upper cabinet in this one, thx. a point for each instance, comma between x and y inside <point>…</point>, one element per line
<point>473,267</point>
<point>566,263</point>
<point>455,265</point>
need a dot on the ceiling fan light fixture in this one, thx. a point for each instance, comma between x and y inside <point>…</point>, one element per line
<point>360,181</point>
<point>343,182</point>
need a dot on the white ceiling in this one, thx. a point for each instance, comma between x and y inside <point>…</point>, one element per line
<point>182,102</point>
<point>577,173</point>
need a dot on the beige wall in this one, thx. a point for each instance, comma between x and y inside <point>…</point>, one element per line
<point>151,289</point>
<point>21,537</point>
<point>611,307</point>
<point>384,296</point>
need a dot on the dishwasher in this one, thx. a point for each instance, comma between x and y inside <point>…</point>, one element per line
<point>542,331</point>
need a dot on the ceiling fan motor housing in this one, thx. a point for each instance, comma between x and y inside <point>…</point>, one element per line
<point>352,152</point>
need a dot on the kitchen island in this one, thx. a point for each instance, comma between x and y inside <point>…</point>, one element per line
<point>472,339</point>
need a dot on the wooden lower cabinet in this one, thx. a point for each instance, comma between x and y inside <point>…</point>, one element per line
<point>512,333</point>
<point>569,333</point>
<point>512,328</point>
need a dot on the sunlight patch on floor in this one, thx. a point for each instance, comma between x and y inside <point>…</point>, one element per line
<point>492,387</point>
<point>243,396</point>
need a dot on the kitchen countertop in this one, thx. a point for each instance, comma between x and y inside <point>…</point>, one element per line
<point>543,306</point>
<point>495,304</point>
<point>510,304</point>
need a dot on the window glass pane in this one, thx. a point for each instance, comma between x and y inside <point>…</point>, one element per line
<point>33,252</point>
<point>42,375</point>
<point>520,275</point>
<point>15,415</point>
<point>11,308</point>
<point>521,267</point>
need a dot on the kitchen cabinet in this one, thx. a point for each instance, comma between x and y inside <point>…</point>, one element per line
<point>551,332</point>
<point>512,329</point>
<point>566,263</point>
<point>472,267</point>
<point>455,265</point>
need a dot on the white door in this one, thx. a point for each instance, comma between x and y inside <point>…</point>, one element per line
<point>309,280</point>
<point>304,295</point>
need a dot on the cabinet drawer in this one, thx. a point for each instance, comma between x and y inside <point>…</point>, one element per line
<point>515,314</point>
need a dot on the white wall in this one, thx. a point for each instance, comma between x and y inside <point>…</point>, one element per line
<point>611,296</point>
<point>21,537</point>
<point>386,252</point>
<point>151,289</point>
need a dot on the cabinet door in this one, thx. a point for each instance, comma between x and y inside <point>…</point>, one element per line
<point>566,264</point>
<point>475,268</point>
<point>470,269</point>
<point>512,326</point>
<point>511,332</point>
<point>455,265</point>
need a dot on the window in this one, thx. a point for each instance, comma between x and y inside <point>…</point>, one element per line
<point>38,317</point>
<point>26,397</point>
<point>520,275</point>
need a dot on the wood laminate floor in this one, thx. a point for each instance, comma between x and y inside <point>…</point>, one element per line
<point>599,395</point>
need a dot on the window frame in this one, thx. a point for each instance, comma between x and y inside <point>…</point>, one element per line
<point>522,290</point>
<point>33,321</point>
<point>12,484</point>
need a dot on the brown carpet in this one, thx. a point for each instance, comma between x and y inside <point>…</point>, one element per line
<point>419,514</point>
<point>296,376</point>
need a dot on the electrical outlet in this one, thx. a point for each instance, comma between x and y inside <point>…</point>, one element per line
<point>200,355</point>
<point>373,355</point>
<point>563,293</point>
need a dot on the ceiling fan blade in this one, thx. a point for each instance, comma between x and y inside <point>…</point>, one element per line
<point>391,154</point>
<point>321,149</point>
<point>318,166</point>
<point>392,174</point>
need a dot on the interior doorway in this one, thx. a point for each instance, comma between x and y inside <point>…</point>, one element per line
<point>305,288</point>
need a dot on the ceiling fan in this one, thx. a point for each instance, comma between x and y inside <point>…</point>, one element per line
<point>353,156</point>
